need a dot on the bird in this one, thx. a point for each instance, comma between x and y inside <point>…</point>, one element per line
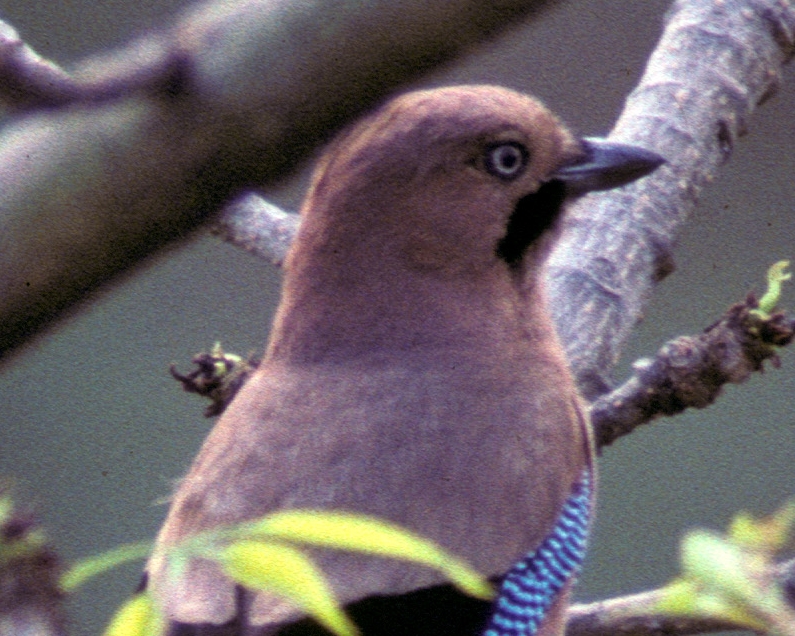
<point>413,372</point>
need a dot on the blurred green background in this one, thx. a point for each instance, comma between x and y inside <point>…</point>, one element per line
<point>94,431</point>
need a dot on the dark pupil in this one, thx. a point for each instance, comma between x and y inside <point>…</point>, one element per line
<point>508,158</point>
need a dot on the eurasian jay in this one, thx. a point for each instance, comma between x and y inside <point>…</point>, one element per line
<point>413,372</point>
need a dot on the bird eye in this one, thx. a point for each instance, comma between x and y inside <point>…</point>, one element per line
<point>506,160</point>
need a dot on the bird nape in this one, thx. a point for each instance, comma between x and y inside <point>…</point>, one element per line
<point>413,374</point>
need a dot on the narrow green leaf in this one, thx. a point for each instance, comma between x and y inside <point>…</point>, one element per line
<point>776,275</point>
<point>137,617</point>
<point>360,533</point>
<point>88,568</point>
<point>678,597</point>
<point>768,534</point>
<point>285,571</point>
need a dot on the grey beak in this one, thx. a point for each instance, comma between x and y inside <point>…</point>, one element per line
<point>607,164</point>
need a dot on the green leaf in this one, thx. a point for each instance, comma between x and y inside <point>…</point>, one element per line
<point>722,578</point>
<point>769,534</point>
<point>88,568</point>
<point>285,571</point>
<point>678,598</point>
<point>726,569</point>
<point>708,558</point>
<point>137,617</point>
<point>776,275</point>
<point>684,597</point>
<point>360,533</point>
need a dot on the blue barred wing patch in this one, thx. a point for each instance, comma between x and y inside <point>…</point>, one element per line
<point>530,587</point>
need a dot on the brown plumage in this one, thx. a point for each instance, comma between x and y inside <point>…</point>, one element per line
<point>412,372</point>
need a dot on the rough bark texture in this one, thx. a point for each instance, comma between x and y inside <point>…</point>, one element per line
<point>715,63</point>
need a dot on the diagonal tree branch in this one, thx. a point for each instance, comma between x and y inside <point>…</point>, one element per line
<point>715,62</point>
<point>148,142</point>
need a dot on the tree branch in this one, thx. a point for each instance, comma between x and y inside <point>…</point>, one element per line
<point>690,371</point>
<point>29,81</point>
<point>26,78</point>
<point>635,614</point>
<point>630,616</point>
<point>151,140</point>
<point>259,227</point>
<point>715,62</point>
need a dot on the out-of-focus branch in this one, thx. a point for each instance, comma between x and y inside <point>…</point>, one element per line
<point>29,81</point>
<point>25,76</point>
<point>139,147</point>
<point>631,616</point>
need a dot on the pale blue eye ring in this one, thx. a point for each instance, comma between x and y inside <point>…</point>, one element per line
<point>506,160</point>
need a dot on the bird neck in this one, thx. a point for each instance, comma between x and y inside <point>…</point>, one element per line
<point>375,313</point>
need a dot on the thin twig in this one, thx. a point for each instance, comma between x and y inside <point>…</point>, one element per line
<point>690,371</point>
<point>632,616</point>
<point>258,226</point>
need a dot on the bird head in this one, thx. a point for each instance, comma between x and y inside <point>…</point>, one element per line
<point>455,181</point>
<point>431,216</point>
